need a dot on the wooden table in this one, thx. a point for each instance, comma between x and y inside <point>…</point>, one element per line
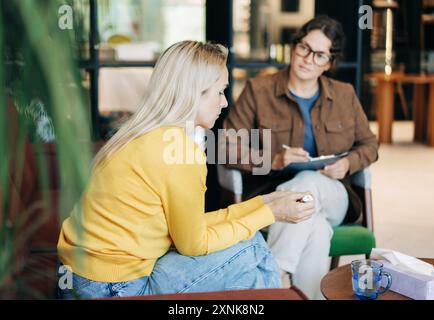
<point>423,109</point>
<point>336,285</point>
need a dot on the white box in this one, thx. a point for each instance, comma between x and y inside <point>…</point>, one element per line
<point>412,285</point>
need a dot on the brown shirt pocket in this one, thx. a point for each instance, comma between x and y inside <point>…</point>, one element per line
<point>340,134</point>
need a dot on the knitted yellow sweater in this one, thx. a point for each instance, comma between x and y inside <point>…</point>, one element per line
<point>148,196</point>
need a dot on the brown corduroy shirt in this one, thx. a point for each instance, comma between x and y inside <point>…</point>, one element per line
<point>338,121</point>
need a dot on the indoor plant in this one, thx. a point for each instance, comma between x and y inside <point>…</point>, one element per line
<point>39,82</point>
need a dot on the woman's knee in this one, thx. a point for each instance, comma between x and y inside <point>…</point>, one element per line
<point>304,181</point>
<point>256,262</point>
<point>254,253</point>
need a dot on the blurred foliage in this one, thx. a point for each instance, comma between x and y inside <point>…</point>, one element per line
<point>39,78</point>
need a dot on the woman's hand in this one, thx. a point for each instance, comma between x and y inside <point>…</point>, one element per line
<point>288,206</point>
<point>287,156</point>
<point>270,197</point>
<point>337,170</point>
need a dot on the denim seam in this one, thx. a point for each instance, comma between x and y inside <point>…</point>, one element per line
<point>206,275</point>
<point>83,284</point>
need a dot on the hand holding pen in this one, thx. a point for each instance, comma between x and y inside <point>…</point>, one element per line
<point>300,151</point>
<point>289,155</point>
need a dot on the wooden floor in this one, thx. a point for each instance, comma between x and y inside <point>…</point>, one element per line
<point>403,195</point>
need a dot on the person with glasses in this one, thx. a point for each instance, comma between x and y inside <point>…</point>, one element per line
<point>308,114</point>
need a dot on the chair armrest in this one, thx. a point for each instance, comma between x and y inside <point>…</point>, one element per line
<point>362,178</point>
<point>230,179</point>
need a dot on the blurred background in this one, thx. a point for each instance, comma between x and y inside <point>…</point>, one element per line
<point>122,39</point>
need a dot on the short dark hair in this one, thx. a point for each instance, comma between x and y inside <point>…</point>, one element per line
<point>332,30</point>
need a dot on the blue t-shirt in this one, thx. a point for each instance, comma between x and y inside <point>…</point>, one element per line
<point>306,105</point>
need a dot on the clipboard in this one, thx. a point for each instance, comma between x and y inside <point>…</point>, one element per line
<point>314,164</point>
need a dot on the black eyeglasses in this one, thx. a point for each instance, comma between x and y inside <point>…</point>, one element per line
<point>319,58</point>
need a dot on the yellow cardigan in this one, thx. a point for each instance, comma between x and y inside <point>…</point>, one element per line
<point>148,196</point>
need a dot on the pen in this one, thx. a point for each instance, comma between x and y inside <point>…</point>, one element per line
<point>285,146</point>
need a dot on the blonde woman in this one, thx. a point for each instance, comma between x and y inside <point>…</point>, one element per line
<point>140,227</point>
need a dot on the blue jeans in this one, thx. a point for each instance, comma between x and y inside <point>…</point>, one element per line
<point>246,265</point>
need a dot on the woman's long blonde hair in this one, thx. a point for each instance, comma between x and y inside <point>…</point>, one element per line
<point>182,74</point>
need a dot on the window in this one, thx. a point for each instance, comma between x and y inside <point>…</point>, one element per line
<point>118,43</point>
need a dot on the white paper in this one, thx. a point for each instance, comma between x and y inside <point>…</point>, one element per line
<point>403,261</point>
